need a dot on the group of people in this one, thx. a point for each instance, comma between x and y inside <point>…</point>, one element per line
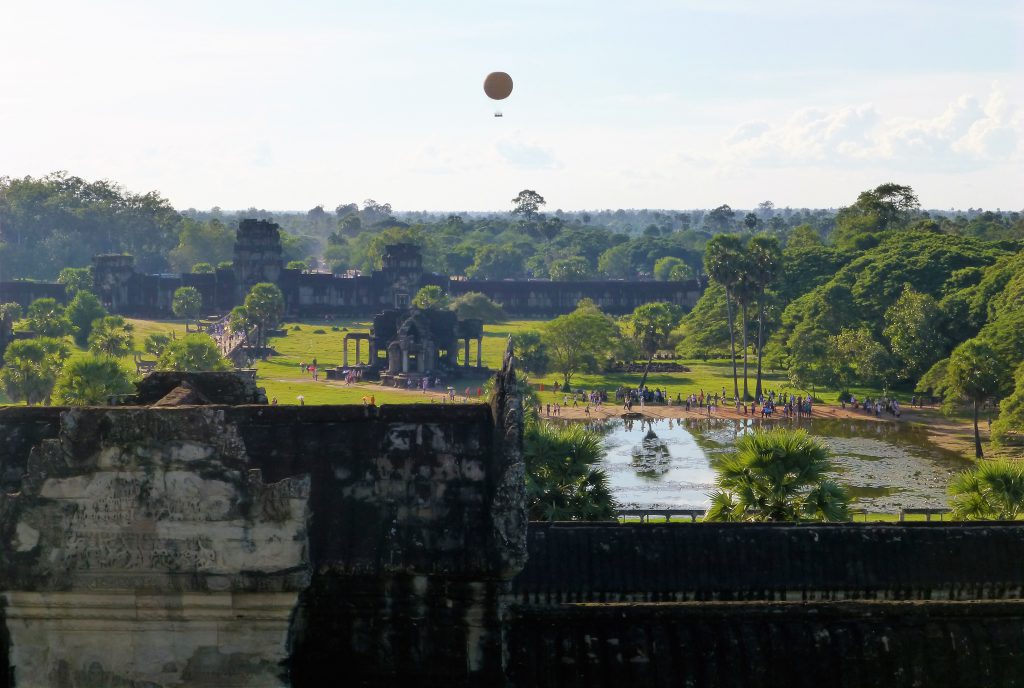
<point>877,406</point>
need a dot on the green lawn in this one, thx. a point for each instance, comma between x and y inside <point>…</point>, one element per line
<point>283,377</point>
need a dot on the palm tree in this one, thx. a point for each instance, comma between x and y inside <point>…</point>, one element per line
<point>766,259</point>
<point>112,336</point>
<point>777,475</point>
<point>562,482</point>
<point>721,262</point>
<point>993,491</point>
<point>90,381</point>
<point>975,372</point>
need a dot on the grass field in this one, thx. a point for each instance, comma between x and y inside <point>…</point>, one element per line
<point>284,378</point>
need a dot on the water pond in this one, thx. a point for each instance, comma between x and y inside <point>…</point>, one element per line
<point>670,463</point>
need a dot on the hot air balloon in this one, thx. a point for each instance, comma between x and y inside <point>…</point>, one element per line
<point>498,86</point>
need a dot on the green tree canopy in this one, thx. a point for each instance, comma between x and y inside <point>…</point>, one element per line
<point>563,482</point>
<point>47,318</point>
<point>196,352</point>
<point>672,269</point>
<point>531,354</point>
<point>111,336</point>
<point>992,491</point>
<point>91,380</point>
<point>156,343</point>
<point>187,303</point>
<point>264,305</point>
<point>473,304</point>
<point>914,329</point>
<point>1008,429</point>
<point>75,280</point>
<point>203,268</point>
<point>81,312</point>
<point>574,269</point>
<point>30,368</point>
<point>974,373</point>
<point>579,341</point>
<point>431,296</point>
<point>777,475</point>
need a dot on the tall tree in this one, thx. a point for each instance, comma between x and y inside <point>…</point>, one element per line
<point>265,305</point>
<point>578,341</point>
<point>765,264</point>
<point>83,310</point>
<point>652,325</point>
<point>974,374</point>
<point>527,203</point>
<point>187,303</point>
<point>914,327</point>
<point>722,257</point>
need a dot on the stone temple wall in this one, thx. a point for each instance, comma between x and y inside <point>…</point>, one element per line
<point>257,545</point>
<point>749,605</point>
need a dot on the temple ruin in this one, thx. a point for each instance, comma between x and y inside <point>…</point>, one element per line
<point>258,257</point>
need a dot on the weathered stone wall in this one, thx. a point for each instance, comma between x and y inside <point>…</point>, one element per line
<point>206,545</point>
<point>24,292</point>
<point>863,644</point>
<point>544,298</point>
<point>860,605</point>
<point>739,561</point>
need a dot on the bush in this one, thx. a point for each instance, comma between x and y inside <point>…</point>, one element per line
<point>319,331</point>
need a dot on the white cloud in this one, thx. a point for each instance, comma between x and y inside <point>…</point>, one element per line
<point>526,154</point>
<point>966,134</point>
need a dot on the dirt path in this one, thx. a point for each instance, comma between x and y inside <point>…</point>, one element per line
<point>948,433</point>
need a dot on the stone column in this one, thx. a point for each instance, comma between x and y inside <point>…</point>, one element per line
<point>344,352</point>
<point>479,352</point>
<point>405,361</point>
<point>358,359</point>
<point>373,352</point>
<point>465,361</point>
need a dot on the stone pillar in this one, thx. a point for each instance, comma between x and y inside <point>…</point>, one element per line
<point>405,361</point>
<point>479,352</point>
<point>465,361</point>
<point>344,352</point>
<point>358,358</point>
<point>373,352</point>
<point>421,360</point>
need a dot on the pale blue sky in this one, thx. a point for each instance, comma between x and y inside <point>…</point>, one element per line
<point>657,103</point>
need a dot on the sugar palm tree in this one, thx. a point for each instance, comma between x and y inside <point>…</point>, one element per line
<point>993,491</point>
<point>91,380</point>
<point>722,263</point>
<point>765,259</point>
<point>562,482</point>
<point>777,475</point>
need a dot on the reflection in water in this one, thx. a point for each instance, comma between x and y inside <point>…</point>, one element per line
<point>670,463</point>
<point>651,457</point>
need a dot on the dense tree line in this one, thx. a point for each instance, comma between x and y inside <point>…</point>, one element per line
<point>60,221</point>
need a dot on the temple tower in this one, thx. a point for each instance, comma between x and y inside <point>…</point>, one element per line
<point>402,267</point>
<point>257,254</point>
<point>111,274</point>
